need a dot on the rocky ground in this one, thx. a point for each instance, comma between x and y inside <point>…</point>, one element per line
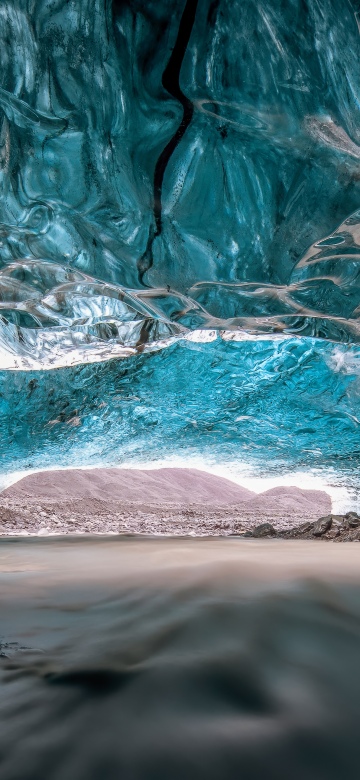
<point>335,528</point>
<point>85,516</point>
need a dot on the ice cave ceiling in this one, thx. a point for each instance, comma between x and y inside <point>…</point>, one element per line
<point>180,231</point>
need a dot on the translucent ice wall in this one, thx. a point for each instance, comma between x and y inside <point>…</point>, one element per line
<point>180,203</point>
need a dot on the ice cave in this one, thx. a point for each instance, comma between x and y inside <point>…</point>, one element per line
<point>180,233</point>
<point>179,389</point>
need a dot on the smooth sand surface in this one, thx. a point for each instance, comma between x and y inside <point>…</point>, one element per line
<point>77,559</point>
<point>150,659</point>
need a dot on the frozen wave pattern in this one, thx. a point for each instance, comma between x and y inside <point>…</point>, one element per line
<point>165,168</point>
<point>53,316</point>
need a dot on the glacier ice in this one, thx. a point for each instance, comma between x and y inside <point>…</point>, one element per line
<point>171,169</point>
<point>277,405</point>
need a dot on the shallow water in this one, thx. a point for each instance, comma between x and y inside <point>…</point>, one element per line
<point>148,658</point>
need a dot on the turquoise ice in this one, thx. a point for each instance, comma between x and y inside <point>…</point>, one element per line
<point>180,232</point>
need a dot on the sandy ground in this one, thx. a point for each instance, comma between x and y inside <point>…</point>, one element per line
<point>178,658</point>
<point>29,566</point>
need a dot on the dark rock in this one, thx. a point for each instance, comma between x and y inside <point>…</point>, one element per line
<point>333,533</point>
<point>354,536</point>
<point>337,520</point>
<point>304,528</point>
<point>353,519</point>
<point>322,525</point>
<point>297,531</point>
<point>265,529</point>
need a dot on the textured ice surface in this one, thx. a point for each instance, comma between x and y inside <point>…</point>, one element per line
<point>278,406</point>
<point>170,168</point>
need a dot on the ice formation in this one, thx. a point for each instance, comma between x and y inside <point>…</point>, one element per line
<point>180,188</point>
